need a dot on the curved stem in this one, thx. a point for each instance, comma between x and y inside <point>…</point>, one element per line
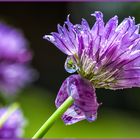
<point>47,125</point>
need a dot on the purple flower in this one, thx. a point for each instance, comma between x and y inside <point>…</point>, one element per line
<point>13,127</point>
<point>108,55</point>
<point>15,56</point>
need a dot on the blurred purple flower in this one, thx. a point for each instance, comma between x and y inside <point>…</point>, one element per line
<point>15,56</point>
<point>13,127</point>
<point>106,55</point>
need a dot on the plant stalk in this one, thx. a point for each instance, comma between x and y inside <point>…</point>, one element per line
<point>57,114</point>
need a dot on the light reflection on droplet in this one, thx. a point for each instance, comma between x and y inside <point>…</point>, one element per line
<point>70,65</point>
<point>49,38</point>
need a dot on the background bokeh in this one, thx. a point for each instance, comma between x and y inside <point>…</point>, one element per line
<point>119,115</point>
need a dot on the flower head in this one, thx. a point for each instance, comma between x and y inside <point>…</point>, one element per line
<point>13,126</point>
<point>107,55</point>
<point>15,56</point>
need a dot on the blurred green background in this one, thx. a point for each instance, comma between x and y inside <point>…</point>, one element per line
<point>119,115</point>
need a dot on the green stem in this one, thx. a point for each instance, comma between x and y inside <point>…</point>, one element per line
<point>8,113</point>
<point>47,125</point>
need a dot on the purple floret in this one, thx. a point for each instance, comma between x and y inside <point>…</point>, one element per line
<point>108,55</point>
<point>13,127</point>
<point>15,57</point>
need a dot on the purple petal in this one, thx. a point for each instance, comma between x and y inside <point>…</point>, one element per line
<point>98,27</point>
<point>85,24</point>
<point>61,43</point>
<point>110,27</point>
<point>65,39</point>
<point>73,115</point>
<point>85,103</point>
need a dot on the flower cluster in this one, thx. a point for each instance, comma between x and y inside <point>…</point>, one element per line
<point>104,56</point>
<point>13,126</point>
<point>15,56</point>
<point>15,73</point>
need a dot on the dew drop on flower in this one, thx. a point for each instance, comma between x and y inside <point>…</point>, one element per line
<point>70,65</point>
<point>49,38</point>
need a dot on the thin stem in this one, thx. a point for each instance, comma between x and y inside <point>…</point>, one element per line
<point>47,125</point>
<point>8,113</point>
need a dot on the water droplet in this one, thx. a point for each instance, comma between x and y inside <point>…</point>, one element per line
<point>70,65</point>
<point>49,38</point>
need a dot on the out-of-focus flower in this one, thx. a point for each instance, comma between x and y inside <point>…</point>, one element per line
<point>106,55</point>
<point>13,126</point>
<point>15,56</point>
